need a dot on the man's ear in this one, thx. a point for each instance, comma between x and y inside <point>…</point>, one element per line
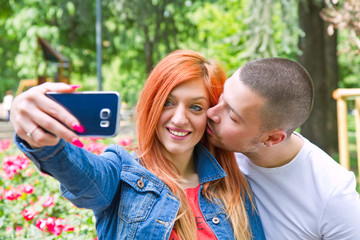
<point>274,137</point>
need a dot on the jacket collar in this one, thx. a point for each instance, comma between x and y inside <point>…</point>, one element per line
<point>207,167</point>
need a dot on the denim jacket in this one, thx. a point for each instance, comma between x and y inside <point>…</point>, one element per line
<point>128,201</point>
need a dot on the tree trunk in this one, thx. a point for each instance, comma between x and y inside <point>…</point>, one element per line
<point>320,59</point>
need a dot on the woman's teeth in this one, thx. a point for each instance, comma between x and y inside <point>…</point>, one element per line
<point>179,134</point>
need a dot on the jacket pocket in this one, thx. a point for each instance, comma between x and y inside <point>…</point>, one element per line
<point>138,196</point>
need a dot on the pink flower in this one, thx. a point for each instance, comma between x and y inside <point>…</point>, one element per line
<point>92,139</point>
<point>17,229</point>
<point>29,214</point>
<point>11,194</point>
<point>9,229</point>
<point>68,228</point>
<point>41,224</point>
<point>28,189</point>
<point>54,225</point>
<point>124,142</point>
<point>49,202</point>
<point>96,148</point>
<point>4,144</point>
<point>13,164</point>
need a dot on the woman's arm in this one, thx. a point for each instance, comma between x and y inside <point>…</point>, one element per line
<point>86,179</point>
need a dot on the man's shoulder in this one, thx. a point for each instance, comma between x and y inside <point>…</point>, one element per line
<point>323,162</point>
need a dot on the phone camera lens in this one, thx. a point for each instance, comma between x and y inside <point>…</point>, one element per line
<point>105,113</point>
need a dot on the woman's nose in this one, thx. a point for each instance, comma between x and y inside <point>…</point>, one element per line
<point>180,116</point>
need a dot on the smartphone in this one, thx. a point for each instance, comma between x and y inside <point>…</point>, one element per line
<point>97,111</point>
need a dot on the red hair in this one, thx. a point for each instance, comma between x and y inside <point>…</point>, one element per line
<point>178,67</point>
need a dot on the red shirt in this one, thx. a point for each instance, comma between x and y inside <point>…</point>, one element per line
<point>203,229</point>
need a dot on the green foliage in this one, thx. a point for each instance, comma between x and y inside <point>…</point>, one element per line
<point>127,84</point>
<point>65,24</point>
<point>28,198</point>
<point>235,32</point>
<point>141,33</point>
<point>218,27</point>
<point>272,28</point>
<point>137,34</point>
<point>349,62</point>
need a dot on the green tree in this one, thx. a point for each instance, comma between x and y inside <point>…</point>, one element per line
<point>345,16</point>
<point>159,25</point>
<point>274,28</point>
<point>320,58</point>
<point>65,24</point>
<point>141,33</point>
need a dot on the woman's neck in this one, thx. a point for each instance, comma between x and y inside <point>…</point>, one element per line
<point>186,165</point>
<point>190,181</point>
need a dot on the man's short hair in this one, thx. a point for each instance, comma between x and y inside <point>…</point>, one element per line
<point>287,88</point>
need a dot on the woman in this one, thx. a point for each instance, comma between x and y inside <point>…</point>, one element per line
<point>174,188</point>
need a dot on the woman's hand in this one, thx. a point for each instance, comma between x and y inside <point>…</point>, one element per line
<point>35,117</point>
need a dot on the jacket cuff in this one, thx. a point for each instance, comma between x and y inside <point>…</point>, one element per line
<point>38,154</point>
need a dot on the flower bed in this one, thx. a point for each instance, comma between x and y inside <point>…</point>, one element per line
<point>30,203</point>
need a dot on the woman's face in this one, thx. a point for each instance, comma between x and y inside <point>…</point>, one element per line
<point>183,119</point>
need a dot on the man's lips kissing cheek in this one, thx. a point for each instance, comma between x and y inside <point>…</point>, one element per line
<point>209,130</point>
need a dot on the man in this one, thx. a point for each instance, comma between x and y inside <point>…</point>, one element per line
<point>300,191</point>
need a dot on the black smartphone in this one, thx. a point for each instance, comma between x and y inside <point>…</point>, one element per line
<point>97,111</point>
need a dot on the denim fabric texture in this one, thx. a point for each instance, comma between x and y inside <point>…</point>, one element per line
<point>128,201</point>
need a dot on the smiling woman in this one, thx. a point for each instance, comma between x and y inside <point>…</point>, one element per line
<point>182,124</point>
<point>175,186</point>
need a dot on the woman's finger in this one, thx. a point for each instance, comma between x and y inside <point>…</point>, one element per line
<point>34,135</point>
<point>38,119</point>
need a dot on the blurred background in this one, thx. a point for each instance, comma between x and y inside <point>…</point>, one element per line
<point>113,44</point>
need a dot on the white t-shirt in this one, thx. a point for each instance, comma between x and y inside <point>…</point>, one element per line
<point>312,197</point>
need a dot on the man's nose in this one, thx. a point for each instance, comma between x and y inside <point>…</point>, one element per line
<point>213,113</point>
<point>180,116</point>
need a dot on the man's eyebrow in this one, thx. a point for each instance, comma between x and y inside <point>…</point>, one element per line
<point>231,108</point>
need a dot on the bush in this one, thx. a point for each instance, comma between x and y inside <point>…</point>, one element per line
<point>30,203</point>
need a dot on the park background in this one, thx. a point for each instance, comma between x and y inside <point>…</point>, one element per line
<point>323,35</point>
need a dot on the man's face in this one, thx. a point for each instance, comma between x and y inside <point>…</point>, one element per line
<point>234,123</point>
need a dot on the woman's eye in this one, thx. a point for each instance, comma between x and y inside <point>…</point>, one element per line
<point>167,103</point>
<point>196,108</point>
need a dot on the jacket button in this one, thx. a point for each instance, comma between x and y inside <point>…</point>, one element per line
<point>140,183</point>
<point>215,220</point>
